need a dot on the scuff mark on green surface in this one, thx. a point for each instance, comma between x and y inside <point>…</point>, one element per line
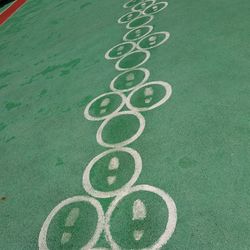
<point>4,74</point>
<point>64,72</point>
<point>11,105</point>
<point>2,126</point>
<point>43,92</point>
<point>10,139</point>
<point>85,5</point>
<point>3,86</point>
<point>3,198</point>
<point>59,161</point>
<point>27,82</point>
<point>187,162</point>
<point>69,65</point>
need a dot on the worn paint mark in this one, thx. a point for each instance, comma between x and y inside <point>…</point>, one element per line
<point>12,105</point>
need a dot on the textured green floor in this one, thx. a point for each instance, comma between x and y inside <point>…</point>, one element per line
<point>195,147</point>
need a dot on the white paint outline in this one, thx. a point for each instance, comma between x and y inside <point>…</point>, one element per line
<point>150,28</point>
<point>93,118</point>
<point>131,12</point>
<point>100,194</point>
<point>108,57</point>
<point>117,65</point>
<point>146,72</point>
<point>172,216</point>
<point>167,35</point>
<point>167,87</point>
<point>125,6</point>
<point>42,241</point>
<point>125,142</point>
<point>128,26</point>
<point>134,8</point>
<point>165,4</point>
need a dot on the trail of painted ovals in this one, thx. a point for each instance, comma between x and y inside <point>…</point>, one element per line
<point>109,165</point>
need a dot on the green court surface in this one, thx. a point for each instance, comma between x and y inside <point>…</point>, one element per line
<point>79,173</point>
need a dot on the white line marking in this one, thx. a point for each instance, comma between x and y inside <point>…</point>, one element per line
<point>170,226</point>
<point>94,118</point>
<point>127,141</point>
<point>152,39</point>
<point>129,16</point>
<point>138,33</point>
<point>119,47</point>
<point>42,241</point>
<point>119,67</point>
<point>143,5</point>
<point>112,84</point>
<point>167,87</point>
<point>132,23</point>
<point>131,3</point>
<point>155,8</point>
<point>99,194</point>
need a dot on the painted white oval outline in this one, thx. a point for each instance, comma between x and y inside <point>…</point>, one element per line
<point>42,241</point>
<point>93,118</point>
<point>112,84</point>
<point>117,65</point>
<point>172,216</point>
<point>164,6</point>
<point>121,22</point>
<point>150,27</point>
<point>167,87</point>
<point>153,2</point>
<point>150,19</point>
<point>126,4</point>
<point>100,194</point>
<point>125,142</point>
<point>108,57</point>
<point>167,35</point>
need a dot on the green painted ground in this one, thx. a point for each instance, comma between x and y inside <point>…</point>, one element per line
<point>194,147</point>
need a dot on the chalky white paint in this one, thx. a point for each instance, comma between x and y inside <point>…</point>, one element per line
<point>111,180</point>
<point>131,24</point>
<point>139,210</point>
<point>138,234</point>
<point>166,34</point>
<point>139,6</point>
<point>168,93</point>
<point>120,20</point>
<point>96,118</point>
<point>69,222</point>
<point>127,141</point>
<point>65,238</point>
<point>114,163</point>
<point>163,4</point>
<point>107,54</point>
<point>147,56</point>
<point>171,223</point>
<point>134,2</point>
<point>100,194</point>
<point>146,76</point>
<point>42,241</point>
<point>125,37</point>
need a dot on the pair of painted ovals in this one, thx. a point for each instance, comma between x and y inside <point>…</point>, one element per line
<point>163,215</point>
<point>128,57</point>
<point>147,7</point>
<point>120,128</point>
